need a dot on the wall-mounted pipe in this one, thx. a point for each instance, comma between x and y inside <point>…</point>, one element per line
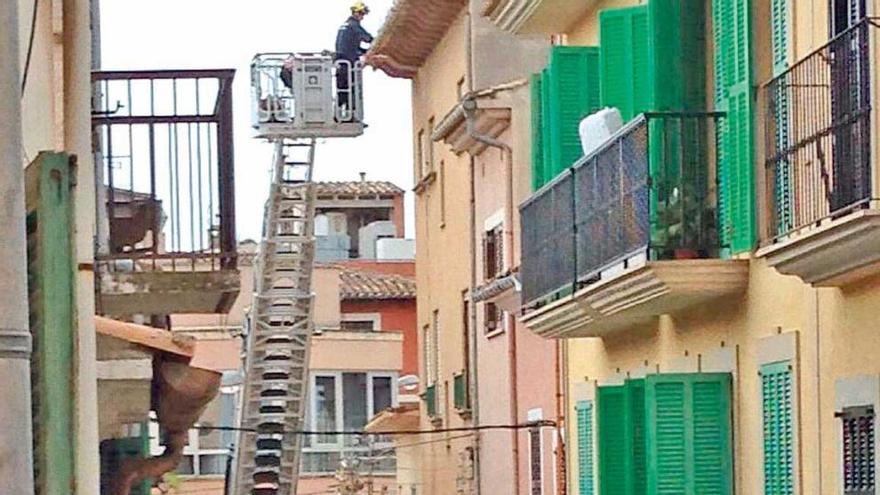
<point>469,107</point>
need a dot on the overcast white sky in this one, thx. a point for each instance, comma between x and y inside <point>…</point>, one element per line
<point>215,34</point>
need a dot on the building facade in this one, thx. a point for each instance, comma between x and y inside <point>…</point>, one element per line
<point>366,339</point>
<point>471,140</point>
<point>709,267</point>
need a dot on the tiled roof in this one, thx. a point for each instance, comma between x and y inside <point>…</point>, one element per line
<point>358,188</point>
<point>360,285</point>
<point>411,32</point>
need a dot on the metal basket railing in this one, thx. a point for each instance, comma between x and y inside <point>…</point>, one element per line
<point>817,119</point>
<point>649,190</point>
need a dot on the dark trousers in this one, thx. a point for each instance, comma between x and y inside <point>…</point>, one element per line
<point>344,88</point>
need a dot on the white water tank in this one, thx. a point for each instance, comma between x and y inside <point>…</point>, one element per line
<point>597,128</point>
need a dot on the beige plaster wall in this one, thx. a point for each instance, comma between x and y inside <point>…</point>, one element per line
<point>442,248</point>
<point>357,351</point>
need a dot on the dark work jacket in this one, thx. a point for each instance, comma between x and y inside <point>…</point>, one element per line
<point>349,39</point>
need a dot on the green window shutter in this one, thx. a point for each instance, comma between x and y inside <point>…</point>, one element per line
<point>574,93</point>
<point>776,399</point>
<point>614,458</point>
<point>636,393</point>
<point>627,81</point>
<point>621,439</point>
<point>115,451</point>
<point>678,54</point>
<point>537,129</point>
<point>689,434</point>
<point>586,475</point>
<point>547,161</point>
<point>51,289</point>
<point>781,110</point>
<point>734,95</point>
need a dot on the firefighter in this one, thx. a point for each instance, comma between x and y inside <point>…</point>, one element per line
<point>350,40</point>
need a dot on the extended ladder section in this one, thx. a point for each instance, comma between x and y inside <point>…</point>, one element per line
<point>277,356</point>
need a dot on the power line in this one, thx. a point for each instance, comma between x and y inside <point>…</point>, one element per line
<point>521,426</point>
<point>30,50</point>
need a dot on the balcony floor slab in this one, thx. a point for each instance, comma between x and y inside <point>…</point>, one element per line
<point>160,293</point>
<point>833,254</point>
<point>638,295</point>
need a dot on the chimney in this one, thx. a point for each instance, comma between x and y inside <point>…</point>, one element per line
<point>363,176</point>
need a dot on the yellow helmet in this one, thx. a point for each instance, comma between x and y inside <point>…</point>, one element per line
<point>360,7</point>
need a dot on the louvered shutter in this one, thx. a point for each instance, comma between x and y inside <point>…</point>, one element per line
<point>689,434</point>
<point>781,108</point>
<point>621,430</point>
<point>677,55</point>
<point>545,131</point>
<point>537,129</point>
<point>614,455</point>
<point>776,397</point>
<point>51,290</point>
<point>734,95</point>
<point>858,448</point>
<point>586,474</point>
<point>574,94</point>
<point>636,393</point>
<point>625,67</point>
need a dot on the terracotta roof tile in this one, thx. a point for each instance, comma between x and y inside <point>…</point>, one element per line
<point>411,32</point>
<point>359,285</point>
<point>356,189</point>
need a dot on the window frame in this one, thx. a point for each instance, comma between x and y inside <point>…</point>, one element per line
<point>339,444</point>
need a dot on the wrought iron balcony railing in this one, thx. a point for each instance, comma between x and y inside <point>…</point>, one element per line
<point>648,191</point>
<point>166,187</point>
<point>818,161</point>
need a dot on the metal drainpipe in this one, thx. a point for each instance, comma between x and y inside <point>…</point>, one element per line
<point>16,467</point>
<point>469,106</point>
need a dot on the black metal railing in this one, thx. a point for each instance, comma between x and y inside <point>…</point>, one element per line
<point>818,134</point>
<point>648,190</point>
<point>166,184</point>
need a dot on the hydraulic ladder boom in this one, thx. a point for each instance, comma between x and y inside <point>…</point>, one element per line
<point>297,99</point>
<point>276,369</point>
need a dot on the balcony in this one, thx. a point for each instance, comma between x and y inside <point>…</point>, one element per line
<point>536,16</point>
<point>822,217</point>
<point>628,233</point>
<point>166,192</point>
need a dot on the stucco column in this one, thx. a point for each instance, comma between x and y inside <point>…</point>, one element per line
<point>78,141</point>
<point>16,456</point>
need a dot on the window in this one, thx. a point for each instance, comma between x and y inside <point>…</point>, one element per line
<point>586,475</point>
<point>429,147</point>
<point>858,450</point>
<point>493,253</point>
<point>207,451</point>
<point>325,407</point>
<point>536,462</point>
<point>358,325</point>
<point>355,410</point>
<point>382,395</point>
<point>442,193</point>
<point>493,318</point>
<point>679,424</point>
<point>777,409</point>
<point>420,156</point>
<point>347,401</point>
<point>434,357</point>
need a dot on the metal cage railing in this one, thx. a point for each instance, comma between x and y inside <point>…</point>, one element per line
<point>648,190</point>
<point>818,160</point>
<point>293,88</point>
<point>165,180</point>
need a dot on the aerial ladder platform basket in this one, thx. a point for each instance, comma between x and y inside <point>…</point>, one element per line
<point>297,98</point>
